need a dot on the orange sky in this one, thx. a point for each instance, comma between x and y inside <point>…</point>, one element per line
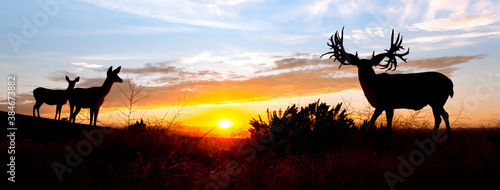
<point>239,100</point>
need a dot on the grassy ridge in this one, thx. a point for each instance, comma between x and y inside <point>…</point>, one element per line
<point>159,159</point>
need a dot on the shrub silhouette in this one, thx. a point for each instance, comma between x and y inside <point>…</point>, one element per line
<point>138,127</point>
<point>315,127</point>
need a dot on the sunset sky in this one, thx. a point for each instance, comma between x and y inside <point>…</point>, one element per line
<point>234,59</point>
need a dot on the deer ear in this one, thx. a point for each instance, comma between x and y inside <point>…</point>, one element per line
<point>67,78</point>
<point>110,70</point>
<point>117,70</point>
<point>77,79</point>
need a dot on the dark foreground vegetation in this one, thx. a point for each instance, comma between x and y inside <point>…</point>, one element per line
<point>319,147</point>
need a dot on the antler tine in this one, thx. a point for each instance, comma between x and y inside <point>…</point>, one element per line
<point>400,42</point>
<point>341,55</point>
<point>392,62</point>
<point>331,47</point>
<point>392,38</point>
<point>336,43</point>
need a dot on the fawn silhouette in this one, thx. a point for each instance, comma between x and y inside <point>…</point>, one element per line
<point>93,97</point>
<point>386,92</point>
<point>52,97</point>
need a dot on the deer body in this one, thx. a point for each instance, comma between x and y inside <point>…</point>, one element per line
<point>93,97</point>
<point>410,91</point>
<point>52,97</point>
<point>386,92</point>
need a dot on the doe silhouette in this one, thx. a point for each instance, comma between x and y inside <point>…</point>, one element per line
<point>52,97</point>
<point>386,92</point>
<point>93,97</point>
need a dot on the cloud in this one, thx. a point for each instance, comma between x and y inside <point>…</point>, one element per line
<point>302,73</point>
<point>309,81</point>
<point>337,10</point>
<point>216,14</point>
<point>440,62</point>
<point>439,38</point>
<point>363,36</point>
<point>204,56</point>
<point>87,65</point>
<point>58,76</point>
<point>448,15</point>
<point>458,22</point>
<point>287,38</point>
<point>330,68</point>
<point>12,66</point>
<point>234,57</point>
<point>318,8</point>
<point>261,88</point>
<point>451,6</point>
<point>149,68</point>
<point>110,57</point>
<point>307,62</point>
<point>166,74</point>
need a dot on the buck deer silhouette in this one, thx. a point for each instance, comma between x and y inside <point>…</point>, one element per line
<point>386,92</point>
<point>93,97</point>
<point>52,97</point>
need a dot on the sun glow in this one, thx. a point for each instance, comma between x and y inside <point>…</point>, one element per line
<point>224,123</point>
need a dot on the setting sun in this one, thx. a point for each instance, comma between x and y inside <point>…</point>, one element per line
<point>224,123</point>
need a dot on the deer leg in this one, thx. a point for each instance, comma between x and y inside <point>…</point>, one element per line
<point>437,112</point>
<point>92,112</point>
<point>447,122</point>
<point>375,115</point>
<point>77,110</point>
<point>58,111</point>
<point>95,114</point>
<point>37,108</point>
<point>389,113</point>
<point>71,107</point>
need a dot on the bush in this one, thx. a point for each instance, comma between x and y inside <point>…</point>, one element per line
<point>317,126</point>
<point>137,127</point>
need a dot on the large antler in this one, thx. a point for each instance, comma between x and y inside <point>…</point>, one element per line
<point>391,53</point>
<point>337,45</point>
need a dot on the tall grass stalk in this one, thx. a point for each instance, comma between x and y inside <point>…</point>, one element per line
<point>132,98</point>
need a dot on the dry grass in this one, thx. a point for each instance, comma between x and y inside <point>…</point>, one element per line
<point>158,159</point>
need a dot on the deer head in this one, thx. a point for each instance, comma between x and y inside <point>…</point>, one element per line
<point>112,76</point>
<point>71,84</point>
<point>337,45</point>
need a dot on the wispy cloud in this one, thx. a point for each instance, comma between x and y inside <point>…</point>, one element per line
<point>458,22</point>
<point>318,8</point>
<point>440,38</point>
<point>440,62</point>
<point>109,57</point>
<point>364,36</point>
<point>166,74</point>
<point>87,65</point>
<point>302,74</point>
<point>448,15</point>
<point>287,38</point>
<point>217,14</point>
<point>309,81</point>
<point>11,66</point>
